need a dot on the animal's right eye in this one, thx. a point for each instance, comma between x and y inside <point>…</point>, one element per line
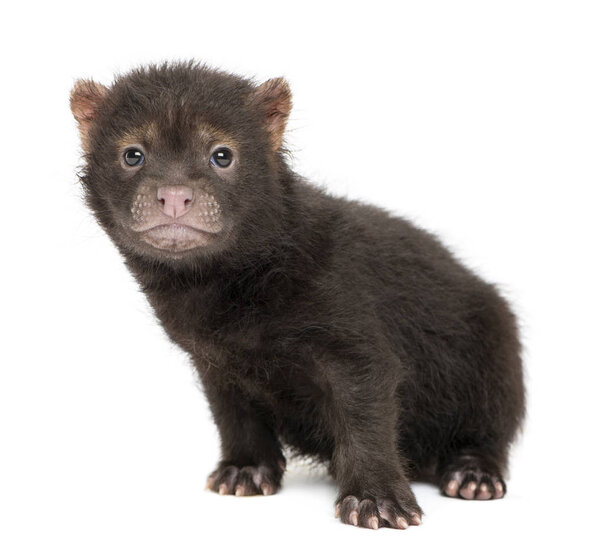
<point>133,157</point>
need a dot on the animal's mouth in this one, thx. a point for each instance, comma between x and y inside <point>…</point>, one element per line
<point>169,223</point>
<point>176,237</point>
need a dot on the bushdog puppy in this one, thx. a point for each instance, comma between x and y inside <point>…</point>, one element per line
<point>317,323</point>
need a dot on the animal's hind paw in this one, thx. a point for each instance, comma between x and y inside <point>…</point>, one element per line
<point>472,482</point>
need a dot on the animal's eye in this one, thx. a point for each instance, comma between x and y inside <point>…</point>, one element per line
<point>222,157</point>
<point>133,157</point>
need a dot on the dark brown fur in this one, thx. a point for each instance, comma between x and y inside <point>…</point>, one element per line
<point>318,323</point>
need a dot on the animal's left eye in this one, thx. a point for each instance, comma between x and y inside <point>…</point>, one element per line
<point>133,157</point>
<point>222,157</point>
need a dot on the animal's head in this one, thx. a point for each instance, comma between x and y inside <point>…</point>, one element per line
<point>182,161</point>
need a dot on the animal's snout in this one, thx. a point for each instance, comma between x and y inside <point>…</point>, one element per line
<point>175,201</point>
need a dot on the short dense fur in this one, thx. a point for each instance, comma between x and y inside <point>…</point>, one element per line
<point>317,323</point>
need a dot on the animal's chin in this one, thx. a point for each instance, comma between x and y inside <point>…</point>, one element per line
<point>176,238</point>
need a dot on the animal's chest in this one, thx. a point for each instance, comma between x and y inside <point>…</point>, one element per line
<point>270,364</point>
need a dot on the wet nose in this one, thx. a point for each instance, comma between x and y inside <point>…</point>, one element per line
<point>175,201</point>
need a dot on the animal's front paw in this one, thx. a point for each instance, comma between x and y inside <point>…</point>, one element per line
<point>374,513</point>
<point>228,479</point>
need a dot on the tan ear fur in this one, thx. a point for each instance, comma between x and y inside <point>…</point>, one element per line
<point>86,97</point>
<point>275,98</point>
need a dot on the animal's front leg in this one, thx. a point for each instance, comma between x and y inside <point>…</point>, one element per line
<point>251,458</point>
<point>367,465</point>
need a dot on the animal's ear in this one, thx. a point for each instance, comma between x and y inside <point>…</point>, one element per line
<point>274,99</point>
<point>86,98</point>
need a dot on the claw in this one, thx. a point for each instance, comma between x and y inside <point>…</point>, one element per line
<point>484,492</point>
<point>471,478</point>
<point>469,491</point>
<point>402,523</point>
<point>244,481</point>
<point>375,513</point>
<point>452,488</point>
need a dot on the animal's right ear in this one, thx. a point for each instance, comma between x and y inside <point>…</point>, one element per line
<point>86,98</point>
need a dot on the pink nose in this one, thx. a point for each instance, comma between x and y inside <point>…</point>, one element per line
<point>175,201</point>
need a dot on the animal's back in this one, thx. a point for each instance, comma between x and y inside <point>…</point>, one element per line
<point>452,337</point>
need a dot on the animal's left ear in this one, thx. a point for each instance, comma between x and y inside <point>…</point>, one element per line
<point>274,98</point>
<point>86,98</point>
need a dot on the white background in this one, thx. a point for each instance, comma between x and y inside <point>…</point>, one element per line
<point>478,120</point>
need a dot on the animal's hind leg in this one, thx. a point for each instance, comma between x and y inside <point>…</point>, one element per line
<point>489,398</point>
<point>471,474</point>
